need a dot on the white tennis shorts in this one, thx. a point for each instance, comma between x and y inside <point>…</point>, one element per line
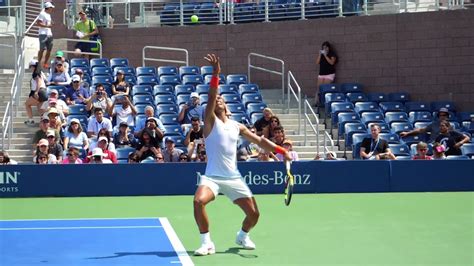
<point>234,188</point>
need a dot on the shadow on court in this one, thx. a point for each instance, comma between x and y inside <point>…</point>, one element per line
<point>161,254</point>
<point>235,251</point>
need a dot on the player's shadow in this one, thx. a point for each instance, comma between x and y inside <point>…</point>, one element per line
<point>235,251</point>
<point>163,254</point>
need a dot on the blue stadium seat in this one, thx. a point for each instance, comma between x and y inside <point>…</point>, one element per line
<point>236,108</point>
<point>372,117</point>
<point>101,71</point>
<point>166,109</point>
<point>232,98</point>
<point>169,80</point>
<point>377,97</point>
<point>236,79</point>
<point>397,127</point>
<point>468,149</point>
<point>248,88</point>
<point>141,108</point>
<point>352,128</point>
<point>167,71</point>
<point>391,117</point>
<point>228,89</point>
<point>327,88</point>
<point>142,90</point>
<point>251,98</point>
<point>183,89</point>
<point>331,97</point>
<point>413,139</point>
<point>188,70</point>
<point>162,89</point>
<point>340,107</point>
<point>435,106</point>
<point>122,153</point>
<point>403,157</point>
<point>392,107</point>
<point>457,157</point>
<point>61,90</point>
<point>178,141</point>
<point>402,97</point>
<point>351,87</point>
<point>202,89</point>
<point>390,137</point>
<point>240,117</point>
<point>355,97</point>
<point>384,127</point>
<point>192,80</point>
<point>169,119</point>
<point>85,69</point>
<point>420,116</point>
<point>207,79</point>
<point>99,62</point>
<point>182,98</point>
<point>79,62</point>
<point>206,70</point>
<point>77,109</point>
<point>362,107</point>
<point>343,119</point>
<point>421,124</point>
<point>146,71</point>
<point>164,99</point>
<point>118,62</point>
<point>255,108</point>
<point>465,116</point>
<point>102,79</point>
<point>455,125</point>
<point>203,98</point>
<point>417,106</point>
<point>129,71</point>
<point>254,117</point>
<point>173,130</point>
<point>143,99</point>
<point>132,80</point>
<point>355,142</point>
<point>399,149</point>
<point>147,80</point>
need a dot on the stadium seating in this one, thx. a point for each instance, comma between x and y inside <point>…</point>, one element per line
<point>351,87</point>
<point>77,109</point>
<point>183,89</point>
<point>98,62</point>
<point>399,149</point>
<point>142,90</point>
<point>129,71</point>
<point>147,80</point>
<point>468,149</point>
<point>236,79</point>
<point>122,153</point>
<point>248,88</point>
<point>162,89</point>
<point>391,107</point>
<point>188,70</point>
<point>169,80</point>
<point>402,97</point>
<point>146,71</point>
<point>361,107</point>
<point>118,62</point>
<point>377,97</point>
<point>169,119</point>
<point>167,71</point>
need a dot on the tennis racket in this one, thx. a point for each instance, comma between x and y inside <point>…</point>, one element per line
<point>289,182</point>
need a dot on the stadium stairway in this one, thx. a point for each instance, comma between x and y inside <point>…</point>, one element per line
<point>21,147</point>
<point>290,122</point>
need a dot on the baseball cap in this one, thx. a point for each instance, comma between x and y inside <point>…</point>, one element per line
<point>195,118</point>
<point>79,71</point>
<point>52,100</point>
<point>50,133</point>
<point>53,110</point>
<point>121,72</point>
<point>102,138</point>
<point>154,119</point>
<point>74,120</point>
<point>123,124</point>
<point>81,12</point>
<point>44,117</point>
<point>194,94</point>
<point>43,142</point>
<point>443,110</point>
<point>287,141</point>
<point>168,139</point>
<point>76,78</point>
<point>59,53</point>
<point>48,5</point>
<point>33,62</point>
<point>98,152</point>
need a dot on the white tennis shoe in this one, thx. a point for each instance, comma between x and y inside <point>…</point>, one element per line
<point>245,242</point>
<point>205,249</point>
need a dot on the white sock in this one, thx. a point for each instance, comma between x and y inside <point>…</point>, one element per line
<point>206,238</point>
<point>242,234</point>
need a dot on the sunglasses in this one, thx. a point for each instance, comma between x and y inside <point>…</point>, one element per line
<point>423,149</point>
<point>70,154</point>
<point>443,115</point>
<point>75,82</point>
<point>43,146</point>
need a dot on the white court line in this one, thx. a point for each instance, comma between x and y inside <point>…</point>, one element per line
<point>79,227</point>
<point>82,219</point>
<point>176,243</point>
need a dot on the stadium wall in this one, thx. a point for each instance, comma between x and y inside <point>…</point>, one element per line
<point>262,178</point>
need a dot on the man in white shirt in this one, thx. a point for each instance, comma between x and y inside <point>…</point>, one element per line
<point>54,101</point>
<point>98,122</point>
<point>45,34</point>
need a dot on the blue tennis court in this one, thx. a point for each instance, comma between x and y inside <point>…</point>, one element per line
<point>140,241</point>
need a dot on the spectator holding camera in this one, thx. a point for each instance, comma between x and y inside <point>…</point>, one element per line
<point>326,60</point>
<point>124,111</point>
<point>191,109</point>
<point>452,140</point>
<point>148,146</point>
<point>438,151</point>
<point>77,94</point>
<point>422,152</point>
<point>375,148</point>
<point>142,123</point>
<point>99,99</point>
<point>98,122</point>
<point>123,138</point>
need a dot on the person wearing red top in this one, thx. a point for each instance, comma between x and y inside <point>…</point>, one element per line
<point>102,143</point>
<point>421,152</point>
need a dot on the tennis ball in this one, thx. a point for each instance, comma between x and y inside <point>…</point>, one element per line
<point>194,19</point>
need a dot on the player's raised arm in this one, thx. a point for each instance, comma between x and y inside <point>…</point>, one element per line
<point>210,116</point>
<point>263,142</point>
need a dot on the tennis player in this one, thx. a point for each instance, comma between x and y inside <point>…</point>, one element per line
<point>221,135</point>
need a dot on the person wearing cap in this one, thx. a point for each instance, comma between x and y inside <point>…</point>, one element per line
<point>98,122</point>
<point>55,121</point>
<point>123,137</point>
<point>59,75</point>
<point>54,147</point>
<point>147,146</point>
<point>59,58</point>
<point>120,85</point>
<point>222,175</point>
<point>77,94</point>
<point>124,111</point>
<point>191,109</point>
<point>288,145</point>
<point>170,153</point>
<point>141,123</point>
<point>97,156</point>
<point>41,133</point>
<point>451,139</point>
<point>43,148</point>
<point>54,101</point>
<point>432,128</point>
<point>85,28</point>
<point>102,144</point>
<point>38,93</point>
<point>76,137</point>
<point>45,34</point>
<point>100,99</point>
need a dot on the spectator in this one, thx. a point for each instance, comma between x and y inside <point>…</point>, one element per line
<point>326,60</point>
<point>124,138</point>
<point>85,28</point>
<point>5,158</point>
<point>147,146</point>
<point>38,93</point>
<point>246,149</point>
<point>72,156</point>
<point>183,158</point>
<point>195,133</point>
<point>264,121</point>
<point>152,125</point>
<point>104,133</point>
<point>55,121</point>
<point>97,156</point>
<point>141,123</point>
<point>278,135</point>
<point>59,58</point>
<point>422,152</point>
<point>98,122</point>
<point>201,154</point>
<point>159,158</point>
<point>375,148</point>
<point>45,35</point>
<point>43,147</point>
<point>77,94</point>
<point>432,128</point>
<point>55,102</point>
<point>54,147</point>
<point>266,156</point>
<point>438,151</point>
<point>120,86</point>
<point>42,158</point>
<point>452,140</point>
<point>133,157</point>
<point>124,111</point>
<point>75,137</point>
<point>99,99</point>
<point>103,145</point>
<point>170,153</point>
<point>41,133</point>
<point>288,145</point>
<point>59,76</point>
<point>191,109</point>
<point>80,73</point>
<point>267,131</point>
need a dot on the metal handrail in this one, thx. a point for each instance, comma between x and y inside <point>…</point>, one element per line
<point>308,119</point>
<point>144,58</point>
<point>281,73</point>
<point>99,44</point>
<point>297,97</point>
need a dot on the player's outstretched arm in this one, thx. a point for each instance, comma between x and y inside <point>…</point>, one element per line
<point>263,142</point>
<point>210,116</point>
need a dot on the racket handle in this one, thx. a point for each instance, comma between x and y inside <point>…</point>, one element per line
<point>287,164</point>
